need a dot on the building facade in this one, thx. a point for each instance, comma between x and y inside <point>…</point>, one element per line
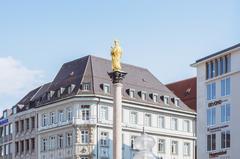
<point>74,114</point>
<point>217,104</point>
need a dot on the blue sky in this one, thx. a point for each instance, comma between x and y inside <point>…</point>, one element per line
<point>37,37</point>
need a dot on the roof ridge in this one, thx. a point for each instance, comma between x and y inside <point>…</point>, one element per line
<point>181,81</point>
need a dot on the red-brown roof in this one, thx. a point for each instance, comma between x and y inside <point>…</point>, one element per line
<point>186,90</point>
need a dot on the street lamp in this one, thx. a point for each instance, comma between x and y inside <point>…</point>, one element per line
<point>144,145</point>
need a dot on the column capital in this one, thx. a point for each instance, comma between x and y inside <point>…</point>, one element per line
<point>117,76</point>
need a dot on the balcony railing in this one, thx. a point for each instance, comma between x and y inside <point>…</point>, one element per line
<point>87,121</point>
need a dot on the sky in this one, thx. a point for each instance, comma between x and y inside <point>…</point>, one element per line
<point>37,37</point>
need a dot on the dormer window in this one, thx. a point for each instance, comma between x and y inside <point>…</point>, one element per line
<point>86,86</point>
<point>131,93</point>
<point>177,102</point>
<point>59,93</point>
<point>69,89</point>
<point>144,95</point>
<point>106,88</point>
<point>166,100</point>
<point>154,97</point>
<point>14,109</point>
<point>5,114</point>
<point>48,96</point>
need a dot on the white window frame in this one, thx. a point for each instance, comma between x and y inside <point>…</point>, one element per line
<point>161,123</point>
<point>166,100</point>
<point>174,123</point>
<point>174,147</point>
<point>186,126</point>
<point>147,120</point>
<point>186,149</point>
<point>106,88</point>
<point>85,137</point>
<point>161,145</point>
<point>133,114</point>
<point>104,113</point>
<point>85,112</point>
<point>104,139</point>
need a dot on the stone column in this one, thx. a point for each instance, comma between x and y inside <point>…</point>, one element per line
<point>117,78</point>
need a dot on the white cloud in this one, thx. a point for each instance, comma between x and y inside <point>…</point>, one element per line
<point>15,78</point>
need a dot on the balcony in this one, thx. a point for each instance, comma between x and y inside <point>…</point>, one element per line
<point>89,121</point>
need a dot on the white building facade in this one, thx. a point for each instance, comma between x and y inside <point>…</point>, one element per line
<point>218,77</point>
<point>74,115</point>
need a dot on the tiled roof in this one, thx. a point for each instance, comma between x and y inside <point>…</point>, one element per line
<point>186,91</point>
<point>94,70</point>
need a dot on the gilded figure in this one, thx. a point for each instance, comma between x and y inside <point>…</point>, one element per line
<point>116,54</point>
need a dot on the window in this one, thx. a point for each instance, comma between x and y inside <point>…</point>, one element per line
<point>174,124</point>
<point>27,124</point>
<point>225,113</point>
<point>133,117</point>
<point>131,93</point>
<point>59,93</point>
<point>69,89</point>
<point>104,139</point>
<point>106,88</point>
<point>69,139</point>
<point>22,146</point>
<point>186,125</point>
<point>225,139</point>
<point>44,144</point>
<point>186,149</point>
<point>69,114</point>
<point>161,145</point>
<point>211,142</point>
<point>144,95</point>
<point>161,122</point>
<point>104,113</point>
<point>14,110</point>
<point>211,91</point>
<point>27,145</point>
<point>208,71</point>
<point>10,129</point>
<point>33,122</point>
<point>174,149</point>
<point>177,102</point>
<point>61,116</point>
<point>17,147</point>
<point>5,114</point>
<point>147,120</point>
<point>22,125</point>
<point>52,143</point>
<point>60,141</point>
<point>86,86</point>
<point>228,63</point>
<point>6,130</point>
<point>155,96</point>
<point>225,87</point>
<point>166,100</point>
<point>132,141</point>
<point>52,118</point>
<point>48,96</point>
<point>211,116</point>
<point>44,120</point>
<point>33,144</point>
<point>85,112</point>
<point>85,136</point>
<point>17,126</point>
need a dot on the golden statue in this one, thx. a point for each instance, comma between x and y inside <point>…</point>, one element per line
<point>116,54</point>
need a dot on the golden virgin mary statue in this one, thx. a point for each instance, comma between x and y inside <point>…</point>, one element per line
<point>116,54</point>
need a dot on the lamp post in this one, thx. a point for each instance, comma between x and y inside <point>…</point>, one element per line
<point>117,76</point>
<point>144,145</point>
